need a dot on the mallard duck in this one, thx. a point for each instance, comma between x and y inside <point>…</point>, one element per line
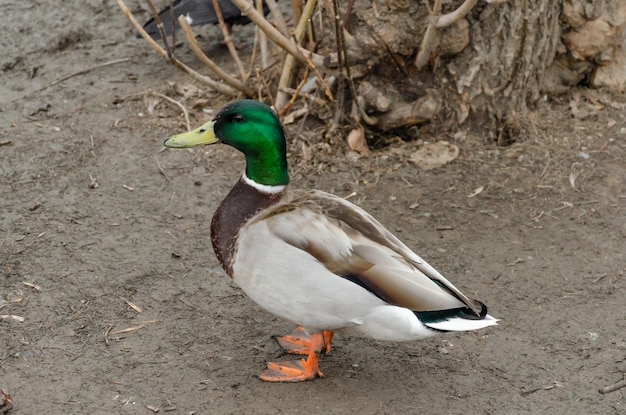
<point>197,12</point>
<point>316,259</point>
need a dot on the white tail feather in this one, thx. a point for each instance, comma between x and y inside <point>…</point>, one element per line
<point>463,324</point>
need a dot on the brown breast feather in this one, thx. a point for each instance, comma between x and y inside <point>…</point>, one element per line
<point>242,203</point>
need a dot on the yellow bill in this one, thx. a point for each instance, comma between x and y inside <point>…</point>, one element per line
<point>198,137</point>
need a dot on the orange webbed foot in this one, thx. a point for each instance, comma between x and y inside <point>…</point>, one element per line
<point>291,371</point>
<point>297,370</point>
<point>299,341</point>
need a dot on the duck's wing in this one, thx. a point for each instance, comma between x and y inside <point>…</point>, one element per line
<point>198,12</point>
<point>354,245</point>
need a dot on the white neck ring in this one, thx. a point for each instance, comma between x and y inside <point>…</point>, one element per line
<point>263,188</point>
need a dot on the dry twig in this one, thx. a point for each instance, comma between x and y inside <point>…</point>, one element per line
<point>277,16</point>
<point>218,86</point>
<point>290,62</point>
<point>83,71</point>
<point>130,329</point>
<point>224,76</point>
<point>132,305</point>
<point>177,103</point>
<point>435,23</point>
<point>450,18</point>
<point>612,388</point>
<point>227,39</point>
<point>296,8</point>
<point>430,37</point>
<point>261,39</point>
<point>160,167</point>
<point>159,23</point>
<point>274,34</point>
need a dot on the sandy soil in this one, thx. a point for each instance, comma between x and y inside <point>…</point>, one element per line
<point>96,217</point>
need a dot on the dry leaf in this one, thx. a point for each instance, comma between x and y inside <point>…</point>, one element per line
<point>572,179</point>
<point>434,155</point>
<point>477,191</point>
<point>93,182</point>
<point>31,285</point>
<point>356,141</point>
<point>12,317</point>
<point>294,115</point>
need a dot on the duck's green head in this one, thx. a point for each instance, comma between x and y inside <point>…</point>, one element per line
<point>252,128</point>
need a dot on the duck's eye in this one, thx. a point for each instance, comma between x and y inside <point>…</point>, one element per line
<point>238,118</point>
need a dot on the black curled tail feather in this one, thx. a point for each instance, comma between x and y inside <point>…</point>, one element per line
<point>481,315</point>
<point>461,312</point>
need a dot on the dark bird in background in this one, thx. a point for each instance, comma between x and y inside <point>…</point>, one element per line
<point>197,12</point>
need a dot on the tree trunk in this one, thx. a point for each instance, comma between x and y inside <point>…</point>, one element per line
<point>500,74</point>
<point>486,69</point>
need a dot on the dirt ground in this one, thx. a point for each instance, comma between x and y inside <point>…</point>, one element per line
<point>105,253</point>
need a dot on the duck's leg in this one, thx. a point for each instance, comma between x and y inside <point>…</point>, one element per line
<point>297,370</point>
<point>299,341</point>
<point>328,339</point>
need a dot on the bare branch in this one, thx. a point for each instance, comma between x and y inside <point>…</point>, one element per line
<point>159,23</point>
<point>316,59</point>
<point>277,16</point>
<point>296,8</point>
<point>290,63</point>
<point>290,47</point>
<point>142,32</point>
<point>178,103</point>
<point>448,19</point>
<point>430,37</point>
<point>228,40</point>
<point>226,77</point>
<point>437,22</point>
<point>218,86</point>
<point>260,38</point>
<point>82,72</point>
